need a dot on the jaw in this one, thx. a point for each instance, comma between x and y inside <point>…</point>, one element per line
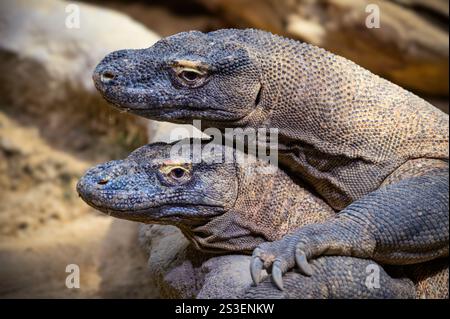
<point>190,215</point>
<point>186,114</point>
<point>143,103</point>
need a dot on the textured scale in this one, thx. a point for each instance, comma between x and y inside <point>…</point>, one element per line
<point>344,131</point>
<point>260,212</point>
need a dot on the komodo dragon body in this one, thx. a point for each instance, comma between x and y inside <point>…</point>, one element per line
<point>216,203</point>
<point>370,149</point>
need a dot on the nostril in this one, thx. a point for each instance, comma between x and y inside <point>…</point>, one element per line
<point>107,76</point>
<point>103,181</point>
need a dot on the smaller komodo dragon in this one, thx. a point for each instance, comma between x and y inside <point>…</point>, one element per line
<point>231,207</point>
<point>370,149</point>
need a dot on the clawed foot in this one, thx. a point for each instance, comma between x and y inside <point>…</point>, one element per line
<point>340,277</point>
<point>278,257</point>
<point>296,249</point>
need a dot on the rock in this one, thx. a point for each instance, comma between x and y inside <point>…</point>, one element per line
<point>410,48</point>
<point>181,271</point>
<point>46,68</point>
<point>167,17</point>
<point>226,277</point>
<point>167,250</point>
<point>170,132</point>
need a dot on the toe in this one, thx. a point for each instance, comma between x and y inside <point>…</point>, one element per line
<point>256,266</point>
<point>277,274</point>
<point>301,261</point>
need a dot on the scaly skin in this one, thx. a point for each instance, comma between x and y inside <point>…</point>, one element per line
<point>335,277</point>
<point>214,204</point>
<point>345,131</point>
<point>211,202</point>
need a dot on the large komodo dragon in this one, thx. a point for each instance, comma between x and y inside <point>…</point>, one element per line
<point>216,205</point>
<point>345,131</point>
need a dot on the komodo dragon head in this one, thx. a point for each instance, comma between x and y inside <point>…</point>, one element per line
<point>219,205</point>
<point>190,75</point>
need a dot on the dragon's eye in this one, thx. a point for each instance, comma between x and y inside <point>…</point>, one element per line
<point>190,76</point>
<point>178,173</point>
<point>190,73</point>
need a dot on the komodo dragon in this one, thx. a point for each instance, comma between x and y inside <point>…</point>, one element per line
<point>216,203</point>
<point>372,150</point>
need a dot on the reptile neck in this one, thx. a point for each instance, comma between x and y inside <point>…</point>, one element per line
<point>268,207</point>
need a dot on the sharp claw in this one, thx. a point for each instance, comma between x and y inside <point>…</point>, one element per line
<point>277,274</point>
<point>302,262</point>
<point>256,265</point>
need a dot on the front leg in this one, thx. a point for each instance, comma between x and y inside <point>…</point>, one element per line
<point>403,223</point>
<point>338,277</point>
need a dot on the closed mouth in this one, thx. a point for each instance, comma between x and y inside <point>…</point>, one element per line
<point>162,214</point>
<point>187,112</point>
<point>145,108</point>
<point>169,209</point>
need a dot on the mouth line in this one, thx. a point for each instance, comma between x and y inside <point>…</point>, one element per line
<point>148,209</point>
<point>186,112</point>
<point>165,217</point>
<point>169,109</point>
<point>143,108</point>
<point>160,207</point>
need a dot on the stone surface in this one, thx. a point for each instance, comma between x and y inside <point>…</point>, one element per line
<point>181,271</point>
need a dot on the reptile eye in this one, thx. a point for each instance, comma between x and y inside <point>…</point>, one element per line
<point>189,76</point>
<point>177,173</point>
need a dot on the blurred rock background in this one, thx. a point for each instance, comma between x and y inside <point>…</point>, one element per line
<point>54,125</point>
